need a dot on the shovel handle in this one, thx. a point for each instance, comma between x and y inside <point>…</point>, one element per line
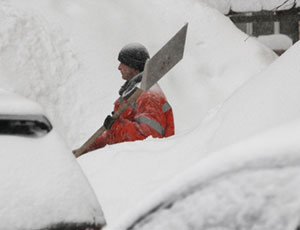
<point>80,151</point>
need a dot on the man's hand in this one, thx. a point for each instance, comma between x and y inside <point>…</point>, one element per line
<point>108,122</point>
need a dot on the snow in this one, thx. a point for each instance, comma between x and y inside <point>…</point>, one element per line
<point>249,203</point>
<point>41,182</point>
<point>11,103</point>
<point>63,54</point>
<point>80,58</point>
<point>275,102</point>
<point>276,41</point>
<point>134,46</point>
<point>246,183</point>
<point>42,185</point>
<point>224,6</point>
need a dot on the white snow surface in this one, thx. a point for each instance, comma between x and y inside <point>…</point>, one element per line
<point>225,6</point>
<point>276,41</point>
<point>250,185</point>
<point>42,185</point>
<point>275,102</point>
<point>63,54</point>
<point>50,55</point>
<point>11,103</point>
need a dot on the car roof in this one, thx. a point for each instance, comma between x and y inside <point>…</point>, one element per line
<point>11,103</point>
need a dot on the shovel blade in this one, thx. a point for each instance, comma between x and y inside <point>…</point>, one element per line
<point>165,59</point>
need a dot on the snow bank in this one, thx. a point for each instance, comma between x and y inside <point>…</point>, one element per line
<point>251,185</point>
<point>267,100</point>
<point>71,68</point>
<point>276,41</point>
<point>218,59</point>
<point>37,62</point>
<point>225,6</point>
<point>63,54</point>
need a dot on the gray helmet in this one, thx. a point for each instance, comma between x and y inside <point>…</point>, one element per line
<point>134,55</point>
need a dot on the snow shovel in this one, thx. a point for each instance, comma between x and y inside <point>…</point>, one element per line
<point>155,68</point>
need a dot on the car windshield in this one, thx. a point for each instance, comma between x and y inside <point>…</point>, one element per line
<point>24,125</point>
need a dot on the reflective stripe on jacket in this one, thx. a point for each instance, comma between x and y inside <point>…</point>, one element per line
<point>150,115</point>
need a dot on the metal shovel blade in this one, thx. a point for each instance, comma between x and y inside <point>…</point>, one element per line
<point>164,60</point>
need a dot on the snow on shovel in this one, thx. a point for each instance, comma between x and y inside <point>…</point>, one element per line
<point>155,68</point>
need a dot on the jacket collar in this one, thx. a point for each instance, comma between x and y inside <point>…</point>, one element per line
<point>129,87</point>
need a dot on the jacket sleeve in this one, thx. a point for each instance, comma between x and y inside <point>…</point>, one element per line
<point>149,120</point>
<point>99,143</point>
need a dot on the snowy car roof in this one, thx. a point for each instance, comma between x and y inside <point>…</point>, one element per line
<point>11,103</point>
<point>43,187</point>
<point>251,5</point>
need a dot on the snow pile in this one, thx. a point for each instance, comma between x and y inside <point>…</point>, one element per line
<point>253,185</point>
<point>77,76</point>
<point>225,6</point>
<point>36,61</point>
<point>254,5</point>
<point>267,100</point>
<point>63,54</point>
<point>218,59</point>
<point>276,41</point>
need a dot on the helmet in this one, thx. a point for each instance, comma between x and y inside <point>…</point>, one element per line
<point>134,55</point>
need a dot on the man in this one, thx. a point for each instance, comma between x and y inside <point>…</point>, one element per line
<point>150,115</point>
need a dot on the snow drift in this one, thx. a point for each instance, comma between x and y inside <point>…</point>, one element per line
<point>267,100</point>
<point>218,59</point>
<point>253,185</point>
<point>49,55</point>
<point>225,6</point>
<point>63,54</point>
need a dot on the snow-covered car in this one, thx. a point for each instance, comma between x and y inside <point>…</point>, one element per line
<point>250,185</point>
<point>42,185</point>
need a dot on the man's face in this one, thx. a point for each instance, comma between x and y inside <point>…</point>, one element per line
<point>127,72</point>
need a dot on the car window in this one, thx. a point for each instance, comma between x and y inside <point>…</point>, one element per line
<point>24,125</point>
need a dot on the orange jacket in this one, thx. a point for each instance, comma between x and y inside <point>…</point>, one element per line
<point>150,115</point>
